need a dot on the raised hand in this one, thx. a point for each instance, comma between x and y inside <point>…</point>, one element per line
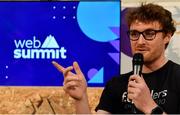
<point>74,83</point>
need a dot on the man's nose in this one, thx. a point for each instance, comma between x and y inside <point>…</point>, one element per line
<point>141,39</point>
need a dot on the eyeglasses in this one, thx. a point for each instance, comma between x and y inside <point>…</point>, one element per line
<point>148,34</point>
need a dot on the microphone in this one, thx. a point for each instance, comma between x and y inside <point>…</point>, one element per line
<point>137,63</point>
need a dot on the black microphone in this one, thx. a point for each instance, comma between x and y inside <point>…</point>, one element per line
<point>138,61</point>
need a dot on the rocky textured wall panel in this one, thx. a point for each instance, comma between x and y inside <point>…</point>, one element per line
<point>41,100</point>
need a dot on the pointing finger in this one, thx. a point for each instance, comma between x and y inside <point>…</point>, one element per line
<point>58,66</point>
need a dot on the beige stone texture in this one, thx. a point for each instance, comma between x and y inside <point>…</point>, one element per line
<point>42,100</point>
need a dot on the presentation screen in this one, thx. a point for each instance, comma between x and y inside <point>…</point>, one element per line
<point>33,34</point>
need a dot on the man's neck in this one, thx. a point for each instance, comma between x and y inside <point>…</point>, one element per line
<point>150,67</point>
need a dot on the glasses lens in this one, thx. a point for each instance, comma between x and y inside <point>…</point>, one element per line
<point>149,34</point>
<point>134,35</point>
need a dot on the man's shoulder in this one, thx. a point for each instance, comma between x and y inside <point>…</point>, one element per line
<point>126,74</point>
<point>174,63</point>
<point>175,66</point>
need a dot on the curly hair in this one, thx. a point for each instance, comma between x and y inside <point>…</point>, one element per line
<point>149,13</point>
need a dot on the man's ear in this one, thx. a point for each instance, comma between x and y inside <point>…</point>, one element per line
<point>167,38</point>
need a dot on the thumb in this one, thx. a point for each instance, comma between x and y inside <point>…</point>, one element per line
<point>77,68</point>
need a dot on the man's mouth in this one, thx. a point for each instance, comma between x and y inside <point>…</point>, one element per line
<point>141,50</point>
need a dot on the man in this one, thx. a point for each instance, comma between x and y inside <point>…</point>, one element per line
<point>157,90</point>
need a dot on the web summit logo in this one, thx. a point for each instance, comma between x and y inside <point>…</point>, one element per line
<point>32,49</point>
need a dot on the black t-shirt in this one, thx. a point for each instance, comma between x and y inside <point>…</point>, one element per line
<point>164,85</point>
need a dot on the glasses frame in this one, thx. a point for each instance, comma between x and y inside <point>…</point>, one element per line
<point>143,34</point>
